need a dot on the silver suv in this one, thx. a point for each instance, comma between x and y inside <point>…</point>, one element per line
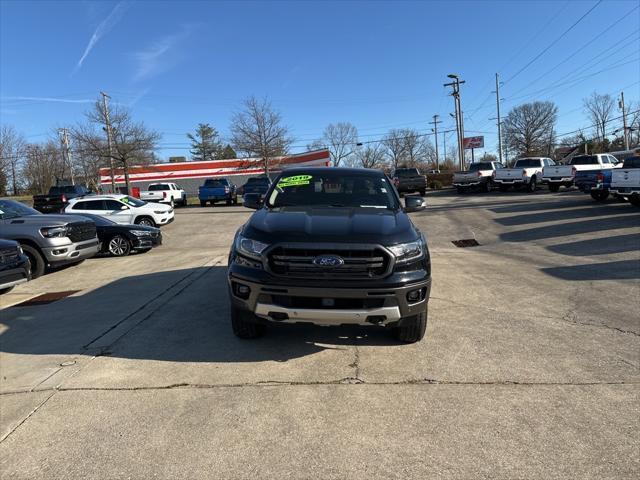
<point>48,240</point>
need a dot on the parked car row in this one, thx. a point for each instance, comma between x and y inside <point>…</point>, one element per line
<point>31,242</point>
<point>598,174</point>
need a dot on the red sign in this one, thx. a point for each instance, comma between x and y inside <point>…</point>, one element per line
<point>473,142</point>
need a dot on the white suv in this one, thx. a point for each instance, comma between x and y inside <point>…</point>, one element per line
<point>122,209</point>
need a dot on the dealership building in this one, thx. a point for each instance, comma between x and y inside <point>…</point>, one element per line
<point>190,175</point>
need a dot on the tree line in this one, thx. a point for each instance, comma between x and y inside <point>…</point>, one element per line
<point>257,130</point>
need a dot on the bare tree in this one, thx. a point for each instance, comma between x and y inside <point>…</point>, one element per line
<point>418,150</point>
<point>257,130</point>
<point>528,128</point>
<point>395,145</point>
<point>132,142</point>
<point>370,156</point>
<point>599,108</point>
<point>42,166</point>
<point>340,138</point>
<point>12,148</point>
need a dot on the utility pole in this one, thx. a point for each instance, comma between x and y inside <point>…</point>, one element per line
<point>108,128</point>
<point>435,135</point>
<point>459,119</point>
<point>66,153</point>
<point>624,122</point>
<point>499,122</point>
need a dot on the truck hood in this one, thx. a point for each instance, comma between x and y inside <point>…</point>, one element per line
<point>330,224</point>
<point>48,220</point>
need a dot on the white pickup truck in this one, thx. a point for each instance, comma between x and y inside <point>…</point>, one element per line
<point>168,193</point>
<point>625,181</point>
<point>525,172</point>
<point>479,174</point>
<point>563,175</point>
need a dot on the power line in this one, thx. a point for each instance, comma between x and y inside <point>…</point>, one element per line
<point>545,50</point>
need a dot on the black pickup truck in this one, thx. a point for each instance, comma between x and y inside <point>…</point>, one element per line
<point>58,197</point>
<point>330,246</point>
<point>409,180</point>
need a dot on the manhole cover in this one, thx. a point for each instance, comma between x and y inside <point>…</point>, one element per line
<point>466,242</point>
<point>47,298</point>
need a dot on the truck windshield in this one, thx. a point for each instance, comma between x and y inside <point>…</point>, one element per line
<point>584,160</point>
<point>407,172</point>
<point>258,181</point>
<point>13,209</point>
<point>527,162</point>
<point>333,189</point>
<point>474,167</point>
<point>63,190</point>
<point>159,186</point>
<point>215,183</point>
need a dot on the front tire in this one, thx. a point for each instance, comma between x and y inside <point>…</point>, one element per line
<point>488,186</point>
<point>38,264</point>
<point>146,221</point>
<point>532,186</point>
<point>413,330</point>
<point>242,328</point>
<point>203,203</point>
<point>635,200</point>
<point>119,246</point>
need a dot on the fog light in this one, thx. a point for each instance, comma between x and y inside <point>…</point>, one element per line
<point>414,296</point>
<point>241,291</point>
<point>59,251</point>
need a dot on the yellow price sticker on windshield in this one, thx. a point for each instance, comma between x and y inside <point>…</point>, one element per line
<point>295,181</point>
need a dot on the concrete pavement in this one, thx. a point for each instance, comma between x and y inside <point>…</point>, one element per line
<point>530,367</point>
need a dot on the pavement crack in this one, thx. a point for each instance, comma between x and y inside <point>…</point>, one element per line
<point>38,407</point>
<point>572,318</point>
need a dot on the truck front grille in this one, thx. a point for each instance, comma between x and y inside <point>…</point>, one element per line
<point>8,254</point>
<point>81,231</point>
<point>359,262</point>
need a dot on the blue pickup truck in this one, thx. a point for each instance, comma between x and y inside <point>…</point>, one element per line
<point>217,190</point>
<point>594,182</point>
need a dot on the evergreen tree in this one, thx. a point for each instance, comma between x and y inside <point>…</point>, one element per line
<point>205,144</point>
<point>227,152</point>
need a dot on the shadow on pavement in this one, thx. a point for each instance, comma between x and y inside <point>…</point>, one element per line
<point>572,228</point>
<point>594,210</point>
<point>180,316</point>
<point>599,246</point>
<point>620,270</point>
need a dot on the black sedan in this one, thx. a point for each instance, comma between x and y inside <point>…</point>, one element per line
<point>14,265</point>
<point>119,240</point>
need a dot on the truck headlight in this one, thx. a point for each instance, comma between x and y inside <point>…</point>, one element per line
<point>250,248</point>
<point>407,252</point>
<point>54,232</point>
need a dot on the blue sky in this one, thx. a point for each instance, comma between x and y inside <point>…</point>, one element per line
<point>376,64</point>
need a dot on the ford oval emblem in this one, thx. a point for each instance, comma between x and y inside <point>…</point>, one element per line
<point>328,261</point>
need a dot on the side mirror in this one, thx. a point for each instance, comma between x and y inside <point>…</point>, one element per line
<point>252,200</point>
<point>124,207</point>
<point>413,203</point>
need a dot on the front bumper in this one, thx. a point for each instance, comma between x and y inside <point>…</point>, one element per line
<point>72,252</point>
<point>165,220</point>
<point>15,272</point>
<point>329,305</point>
<point>145,243</point>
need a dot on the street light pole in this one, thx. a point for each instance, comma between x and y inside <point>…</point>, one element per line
<point>499,122</point>
<point>435,135</point>
<point>459,120</point>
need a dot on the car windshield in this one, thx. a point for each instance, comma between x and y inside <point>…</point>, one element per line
<point>132,201</point>
<point>333,188</point>
<point>98,220</point>
<point>215,183</point>
<point>62,190</point>
<point>13,209</point>
<point>584,160</point>
<point>631,162</point>
<point>474,167</point>
<point>158,187</point>
<point>407,172</point>
<point>527,162</point>
<point>258,181</point>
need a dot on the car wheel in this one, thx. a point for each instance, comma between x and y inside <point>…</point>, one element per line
<point>38,264</point>
<point>635,200</point>
<point>5,290</point>
<point>413,329</point>
<point>146,221</point>
<point>119,246</point>
<point>532,186</point>
<point>488,186</point>
<point>243,328</point>
<point>184,201</point>
<point>229,202</point>
<point>554,187</point>
<point>203,203</point>
<point>172,204</point>
<point>600,196</point>
<point>235,200</point>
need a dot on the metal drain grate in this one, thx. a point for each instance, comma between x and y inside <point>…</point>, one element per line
<point>466,242</point>
<point>46,298</point>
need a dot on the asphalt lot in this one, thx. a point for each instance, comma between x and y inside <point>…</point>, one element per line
<point>530,367</point>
